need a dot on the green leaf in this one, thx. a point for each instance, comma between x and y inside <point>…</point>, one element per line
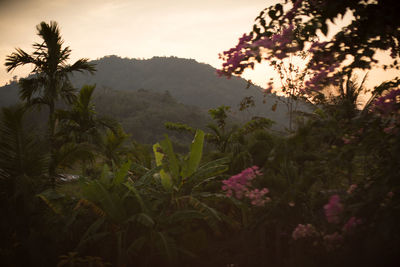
<point>165,177</point>
<point>147,177</point>
<point>136,245</point>
<point>136,194</point>
<point>195,154</point>
<point>172,160</point>
<point>105,174</point>
<point>184,215</point>
<point>144,219</point>
<point>91,233</point>
<point>122,173</point>
<point>166,246</point>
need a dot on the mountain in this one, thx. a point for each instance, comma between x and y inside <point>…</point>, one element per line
<point>144,93</point>
<point>9,94</point>
<point>143,113</point>
<point>188,81</point>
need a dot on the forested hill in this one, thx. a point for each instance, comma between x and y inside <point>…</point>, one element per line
<point>188,81</point>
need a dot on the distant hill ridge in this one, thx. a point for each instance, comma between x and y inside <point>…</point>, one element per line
<point>186,80</point>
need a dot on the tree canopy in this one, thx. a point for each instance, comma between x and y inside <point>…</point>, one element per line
<point>299,25</point>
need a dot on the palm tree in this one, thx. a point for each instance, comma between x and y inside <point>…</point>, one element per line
<point>49,80</point>
<point>80,130</point>
<point>81,124</point>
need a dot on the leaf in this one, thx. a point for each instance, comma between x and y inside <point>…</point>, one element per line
<point>182,215</point>
<point>90,234</point>
<point>122,173</point>
<point>136,194</point>
<point>49,203</point>
<point>165,177</point>
<point>195,154</point>
<point>172,160</point>
<point>144,219</point>
<point>105,174</point>
<point>136,245</point>
<point>166,246</point>
<point>147,177</point>
<point>210,215</point>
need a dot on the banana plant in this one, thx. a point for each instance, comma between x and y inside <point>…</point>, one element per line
<point>184,181</point>
<point>178,173</point>
<point>123,219</point>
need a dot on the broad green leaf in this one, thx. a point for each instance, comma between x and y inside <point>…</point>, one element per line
<point>105,174</point>
<point>136,245</point>
<point>210,169</point>
<point>144,219</point>
<point>137,195</point>
<point>165,177</point>
<point>166,246</point>
<point>195,154</point>
<point>172,160</point>
<point>122,173</point>
<point>147,177</point>
<point>91,233</point>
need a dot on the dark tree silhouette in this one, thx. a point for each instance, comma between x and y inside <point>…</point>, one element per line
<point>49,81</point>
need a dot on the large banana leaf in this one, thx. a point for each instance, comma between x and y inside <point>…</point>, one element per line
<point>195,154</point>
<point>166,180</point>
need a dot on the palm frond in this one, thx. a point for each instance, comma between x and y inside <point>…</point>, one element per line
<point>20,153</point>
<point>31,87</point>
<point>80,65</point>
<point>19,58</point>
<point>67,92</point>
<point>70,153</point>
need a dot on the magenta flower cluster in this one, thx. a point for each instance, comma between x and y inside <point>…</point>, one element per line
<point>333,209</point>
<point>322,67</point>
<point>351,224</point>
<point>303,231</point>
<point>244,53</point>
<point>236,59</point>
<point>240,186</point>
<point>333,240</point>
<point>291,13</point>
<point>388,104</point>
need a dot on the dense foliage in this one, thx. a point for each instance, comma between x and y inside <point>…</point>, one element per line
<point>324,193</point>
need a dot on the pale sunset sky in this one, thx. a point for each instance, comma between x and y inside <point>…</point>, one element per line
<point>136,29</point>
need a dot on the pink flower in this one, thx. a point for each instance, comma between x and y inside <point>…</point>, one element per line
<point>333,209</point>
<point>236,59</point>
<point>239,186</point>
<point>291,13</point>
<point>303,231</point>
<point>333,240</point>
<point>388,104</point>
<point>391,129</point>
<point>351,189</point>
<point>351,224</point>
<point>346,140</point>
<point>257,196</point>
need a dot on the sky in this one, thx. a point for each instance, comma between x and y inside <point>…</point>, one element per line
<point>130,28</point>
<point>137,29</point>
